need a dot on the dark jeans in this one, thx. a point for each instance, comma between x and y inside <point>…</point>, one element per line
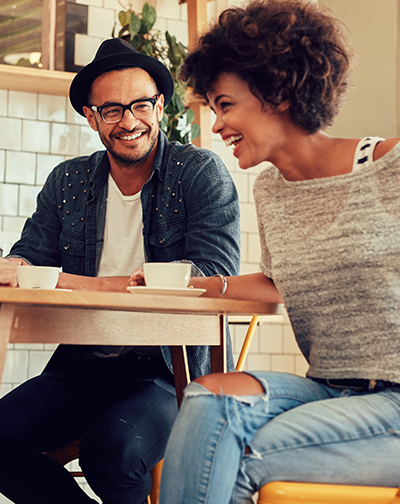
<point>122,409</point>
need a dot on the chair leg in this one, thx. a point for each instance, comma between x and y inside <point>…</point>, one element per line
<point>67,454</point>
<point>155,488</point>
<point>247,342</point>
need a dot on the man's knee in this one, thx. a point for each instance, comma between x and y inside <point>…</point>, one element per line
<point>115,472</point>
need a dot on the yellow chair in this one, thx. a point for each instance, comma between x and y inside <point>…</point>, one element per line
<point>283,492</point>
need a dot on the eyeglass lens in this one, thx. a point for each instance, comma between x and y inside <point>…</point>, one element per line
<point>114,113</point>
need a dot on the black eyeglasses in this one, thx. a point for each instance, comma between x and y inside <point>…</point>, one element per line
<point>114,112</point>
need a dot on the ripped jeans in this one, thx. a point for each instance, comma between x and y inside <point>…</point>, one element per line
<point>222,449</point>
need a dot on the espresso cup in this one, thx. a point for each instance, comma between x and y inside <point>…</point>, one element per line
<point>37,277</point>
<point>171,275</point>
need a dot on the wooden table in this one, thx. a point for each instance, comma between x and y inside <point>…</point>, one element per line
<point>110,318</point>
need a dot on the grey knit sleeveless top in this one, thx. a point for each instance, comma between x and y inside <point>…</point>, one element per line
<point>332,247</point>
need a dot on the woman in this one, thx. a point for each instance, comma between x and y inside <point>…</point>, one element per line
<point>328,209</point>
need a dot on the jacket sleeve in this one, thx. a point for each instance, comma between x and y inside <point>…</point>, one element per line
<point>39,242</point>
<point>212,239</point>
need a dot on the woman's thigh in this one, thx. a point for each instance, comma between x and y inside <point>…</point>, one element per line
<point>352,439</point>
<point>217,428</point>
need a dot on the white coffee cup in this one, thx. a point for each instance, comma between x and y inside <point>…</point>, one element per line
<point>37,277</point>
<point>171,275</point>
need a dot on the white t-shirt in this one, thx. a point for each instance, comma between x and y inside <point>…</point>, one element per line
<point>123,249</point>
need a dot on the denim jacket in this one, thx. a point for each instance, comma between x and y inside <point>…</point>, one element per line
<point>190,212</point>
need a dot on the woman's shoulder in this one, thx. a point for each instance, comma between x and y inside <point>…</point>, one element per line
<point>384,147</point>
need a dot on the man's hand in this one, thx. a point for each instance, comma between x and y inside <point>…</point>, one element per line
<point>8,272</point>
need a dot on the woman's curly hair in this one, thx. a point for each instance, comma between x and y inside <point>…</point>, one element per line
<point>286,50</point>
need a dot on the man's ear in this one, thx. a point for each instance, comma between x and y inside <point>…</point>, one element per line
<point>160,107</point>
<point>89,114</point>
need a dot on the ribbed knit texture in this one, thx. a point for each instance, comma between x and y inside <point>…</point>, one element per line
<point>332,247</point>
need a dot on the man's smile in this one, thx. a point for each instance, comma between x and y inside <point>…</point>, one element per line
<point>131,136</point>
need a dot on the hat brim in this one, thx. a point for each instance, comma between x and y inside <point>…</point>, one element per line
<point>78,92</point>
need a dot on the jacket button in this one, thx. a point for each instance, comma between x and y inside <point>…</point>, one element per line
<point>67,246</point>
<point>162,240</point>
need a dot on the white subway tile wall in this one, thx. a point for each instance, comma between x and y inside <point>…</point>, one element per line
<point>39,131</point>
<point>35,136</point>
<point>3,102</point>
<point>2,163</point>
<point>100,22</point>
<point>11,133</point>
<point>22,105</point>
<point>52,108</point>
<point>20,167</point>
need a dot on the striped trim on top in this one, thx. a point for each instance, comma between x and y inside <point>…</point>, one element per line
<point>363,155</point>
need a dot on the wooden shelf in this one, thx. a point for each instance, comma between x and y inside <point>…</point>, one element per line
<point>34,80</point>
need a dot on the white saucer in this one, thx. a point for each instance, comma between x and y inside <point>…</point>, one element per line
<point>175,291</point>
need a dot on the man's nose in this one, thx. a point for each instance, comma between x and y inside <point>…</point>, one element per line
<point>128,120</point>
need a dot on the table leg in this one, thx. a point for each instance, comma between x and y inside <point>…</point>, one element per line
<point>6,326</point>
<point>181,370</point>
<point>218,353</point>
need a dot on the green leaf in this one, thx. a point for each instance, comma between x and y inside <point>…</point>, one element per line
<point>179,104</point>
<point>137,42</point>
<point>149,17</point>
<point>147,48</point>
<point>134,25</point>
<point>195,131</point>
<point>189,116</point>
<point>124,18</point>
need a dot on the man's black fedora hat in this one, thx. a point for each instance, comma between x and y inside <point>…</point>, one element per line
<point>111,54</point>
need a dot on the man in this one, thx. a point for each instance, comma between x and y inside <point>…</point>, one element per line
<point>100,217</point>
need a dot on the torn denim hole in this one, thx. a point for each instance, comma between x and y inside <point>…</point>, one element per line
<point>194,389</point>
<point>251,400</point>
<point>251,453</point>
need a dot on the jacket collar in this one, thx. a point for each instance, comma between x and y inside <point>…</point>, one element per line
<point>102,164</point>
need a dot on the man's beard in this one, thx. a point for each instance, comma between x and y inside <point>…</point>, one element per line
<point>128,159</point>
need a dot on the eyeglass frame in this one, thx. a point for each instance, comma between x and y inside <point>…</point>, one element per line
<point>152,100</point>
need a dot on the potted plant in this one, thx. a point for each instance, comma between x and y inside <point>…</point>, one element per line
<point>137,29</point>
